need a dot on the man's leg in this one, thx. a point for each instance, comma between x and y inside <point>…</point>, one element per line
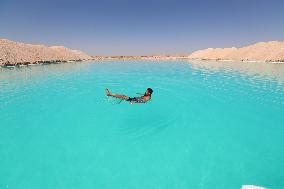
<point>116,95</point>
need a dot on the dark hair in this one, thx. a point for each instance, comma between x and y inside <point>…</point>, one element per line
<point>150,90</point>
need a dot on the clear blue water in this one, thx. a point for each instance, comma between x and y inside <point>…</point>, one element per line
<point>208,125</point>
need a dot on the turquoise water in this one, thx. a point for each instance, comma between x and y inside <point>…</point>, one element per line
<point>208,125</point>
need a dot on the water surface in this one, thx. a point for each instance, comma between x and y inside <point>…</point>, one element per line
<point>208,125</point>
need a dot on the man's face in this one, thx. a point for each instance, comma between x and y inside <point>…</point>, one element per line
<point>147,92</point>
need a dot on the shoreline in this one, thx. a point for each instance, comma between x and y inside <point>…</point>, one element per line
<point>17,54</point>
<point>241,61</point>
<point>25,64</point>
<point>150,58</point>
<point>168,57</point>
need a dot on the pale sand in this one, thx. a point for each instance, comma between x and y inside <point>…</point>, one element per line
<point>272,51</point>
<point>13,53</point>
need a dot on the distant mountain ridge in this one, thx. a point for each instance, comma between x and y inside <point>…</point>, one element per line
<point>272,51</point>
<point>14,53</point>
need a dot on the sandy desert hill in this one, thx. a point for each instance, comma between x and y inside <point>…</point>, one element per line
<point>272,51</point>
<point>13,53</point>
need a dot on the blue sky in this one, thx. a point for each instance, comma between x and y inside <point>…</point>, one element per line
<point>142,27</point>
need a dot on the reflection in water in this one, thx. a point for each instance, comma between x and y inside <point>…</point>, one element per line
<point>17,83</point>
<point>259,69</point>
<point>259,82</point>
<point>41,70</point>
<point>205,120</point>
<point>179,86</point>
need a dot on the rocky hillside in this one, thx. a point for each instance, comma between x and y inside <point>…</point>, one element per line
<point>272,51</point>
<point>14,53</point>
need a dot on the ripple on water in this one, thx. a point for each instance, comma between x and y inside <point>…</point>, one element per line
<point>200,116</point>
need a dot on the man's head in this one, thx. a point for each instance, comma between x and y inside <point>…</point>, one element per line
<point>149,91</point>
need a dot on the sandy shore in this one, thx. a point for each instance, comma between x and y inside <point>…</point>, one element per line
<point>272,51</point>
<point>20,54</point>
<point>150,57</point>
<point>15,53</point>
